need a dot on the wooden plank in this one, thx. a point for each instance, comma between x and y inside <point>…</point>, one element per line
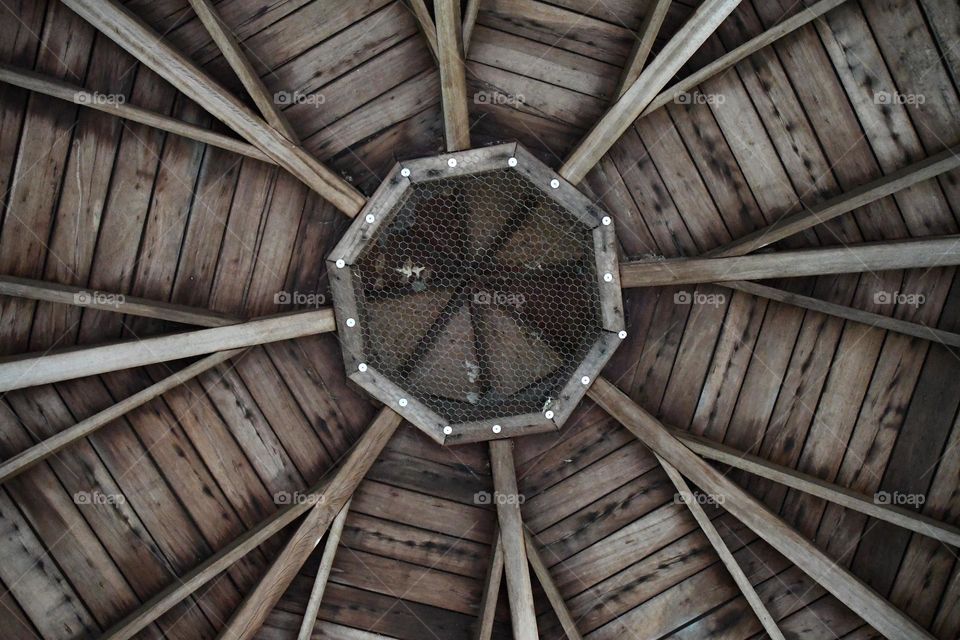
<point>37,369</point>
<point>753,45</point>
<point>649,30</point>
<point>879,256</point>
<point>506,496</point>
<point>632,103</point>
<point>469,22</point>
<point>238,61</point>
<point>491,591</point>
<point>429,29</point>
<point>706,525</point>
<point>453,78</point>
<point>65,91</point>
<point>842,584</point>
<point>819,213</point>
<point>323,573</point>
<point>257,605</point>
<point>553,594</point>
<point>131,33</point>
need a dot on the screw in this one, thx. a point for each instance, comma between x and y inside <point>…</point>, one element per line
<point>447,431</point>
<point>452,162</point>
<point>341,264</point>
<point>606,220</point>
<point>402,402</point>
<point>512,162</point>
<point>497,428</point>
<point>608,277</point>
<point>548,415</point>
<point>362,367</point>
<point>370,218</point>
<point>585,379</point>
<point>405,172</point>
<point>351,322</point>
<point>622,335</point>
<point>555,183</point>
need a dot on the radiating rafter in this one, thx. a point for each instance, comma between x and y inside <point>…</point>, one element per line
<point>645,88</point>
<point>550,589</point>
<point>453,79</point>
<point>726,557</point>
<point>240,63</point>
<point>131,33</point>
<point>879,256</point>
<point>860,598</point>
<point>323,573</point>
<point>255,608</point>
<point>427,27</point>
<point>469,22</point>
<point>57,88</point>
<point>491,591</point>
<point>43,368</point>
<point>649,29</point>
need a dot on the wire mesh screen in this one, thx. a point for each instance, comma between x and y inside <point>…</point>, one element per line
<point>479,296</point>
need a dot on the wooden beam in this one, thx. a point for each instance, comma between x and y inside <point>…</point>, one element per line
<point>323,573</point>
<point>32,455</point>
<point>724,62</point>
<point>238,61</point>
<point>109,301</point>
<point>860,598</point>
<point>506,496</point>
<point>911,520</point>
<point>733,568</point>
<point>829,209</point>
<point>221,560</point>
<point>491,591</point>
<point>429,29</point>
<point>44,368</point>
<point>550,589</point>
<point>656,14</point>
<point>255,608</point>
<point>56,88</point>
<point>880,256</point>
<point>628,108</point>
<point>453,79</point>
<point>848,313</point>
<point>469,22</point>
<point>130,32</point>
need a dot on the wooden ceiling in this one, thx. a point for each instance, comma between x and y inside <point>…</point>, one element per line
<point>841,386</point>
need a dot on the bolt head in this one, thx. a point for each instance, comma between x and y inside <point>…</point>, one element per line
<point>585,380</point>
<point>351,322</point>
<point>555,183</point>
<point>405,172</point>
<point>548,415</point>
<point>370,218</point>
<point>402,402</point>
<point>341,263</point>
<point>608,277</point>
<point>362,367</point>
<point>497,428</point>
<point>606,220</point>
<point>452,162</point>
<point>622,335</point>
<point>447,431</point>
<point>512,162</point>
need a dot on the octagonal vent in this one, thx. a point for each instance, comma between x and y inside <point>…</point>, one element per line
<point>477,294</point>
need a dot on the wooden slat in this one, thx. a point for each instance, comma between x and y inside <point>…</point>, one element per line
<point>549,588</point>
<point>713,536</point>
<point>56,88</point>
<point>258,603</point>
<point>240,64</point>
<point>847,588</point>
<point>651,80</point>
<point>323,574</point>
<point>34,369</point>
<point>848,313</point>
<point>429,29</point>
<point>469,22</point>
<point>453,79</point>
<point>131,33</point>
<point>879,256</point>
<point>506,495</point>
<point>641,50</point>
<point>491,591</point>
<point>749,47</point>
<point>789,225</point>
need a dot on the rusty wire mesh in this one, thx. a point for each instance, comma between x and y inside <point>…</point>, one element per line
<point>479,296</point>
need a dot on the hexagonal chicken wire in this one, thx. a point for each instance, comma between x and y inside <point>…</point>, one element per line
<point>477,294</point>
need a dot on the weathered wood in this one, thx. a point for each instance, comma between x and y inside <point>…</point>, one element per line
<point>469,22</point>
<point>656,13</point>
<point>819,213</point>
<point>553,594</point>
<point>56,88</point>
<point>131,33</point>
<point>507,499</point>
<point>323,574</point>
<point>736,572</point>
<point>651,80</point>
<point>724,62</point>
<point>491,591</point>
<point>238,61</point>
<point>453,79</point>
<point>842,584</point>
<point>429,29</point>
<point>34,369</point>
<point>257,605</point>
<point>880,256</point>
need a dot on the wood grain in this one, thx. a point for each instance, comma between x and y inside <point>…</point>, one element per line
<point>453,79</point>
